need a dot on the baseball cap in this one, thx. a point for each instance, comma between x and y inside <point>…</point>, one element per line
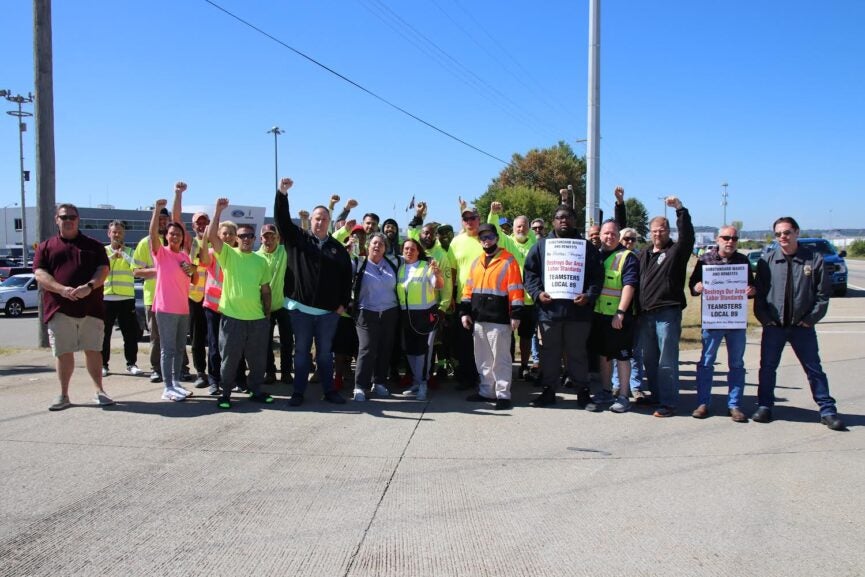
<point>470,210</point>
<point>164,212</point>
<point>486,227</point>
<point>198,215</point>
<point>266,228</point>
<point>504,220</point>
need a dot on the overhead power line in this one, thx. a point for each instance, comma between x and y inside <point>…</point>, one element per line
<point>353,83</point>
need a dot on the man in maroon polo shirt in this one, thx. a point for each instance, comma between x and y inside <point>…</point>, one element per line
<point>71,268</point>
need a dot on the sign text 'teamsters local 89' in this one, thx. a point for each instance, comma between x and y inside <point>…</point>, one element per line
<point>725,296</point>
<point>564,267</point>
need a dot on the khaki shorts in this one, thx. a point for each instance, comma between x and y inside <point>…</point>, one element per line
<point>70,334</point>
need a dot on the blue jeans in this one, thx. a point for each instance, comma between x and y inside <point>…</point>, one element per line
<point>735,365</point>
<point>307,327</point>
<point>804,343</point>
<point>660,330</point>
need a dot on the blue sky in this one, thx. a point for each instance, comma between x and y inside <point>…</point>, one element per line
<point>764,95</point>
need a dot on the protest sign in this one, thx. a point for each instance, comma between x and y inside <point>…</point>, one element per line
<point>564,267</point>
<point>725,296</point>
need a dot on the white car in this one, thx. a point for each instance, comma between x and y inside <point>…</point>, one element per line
<point>17,293</point>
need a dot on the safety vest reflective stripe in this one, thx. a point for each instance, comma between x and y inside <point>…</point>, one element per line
<point>499,282</point>
<point>415,291</point>
<point>213,288</point>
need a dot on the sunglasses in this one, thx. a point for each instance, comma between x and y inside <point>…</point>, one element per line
<point>537,228</point>
<point>781,233</point>
<point>728,237</point>
<point>470,218</point>
<point>629,239</point>
<point>246,236</point>
<point>488,237</point>
<point>67,217</point>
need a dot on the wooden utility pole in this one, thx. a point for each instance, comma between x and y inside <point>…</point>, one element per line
<point>43,65</point>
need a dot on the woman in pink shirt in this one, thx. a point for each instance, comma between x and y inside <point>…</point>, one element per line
<point>174,272</point>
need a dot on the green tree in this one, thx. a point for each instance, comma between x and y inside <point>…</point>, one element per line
<point>856,248</point>
<point>547,170</point>
<point>519,200</point>
<point>738,224</point>
<point>637,216</point>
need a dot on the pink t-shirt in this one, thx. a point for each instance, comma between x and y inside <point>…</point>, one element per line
<point>172,284</point>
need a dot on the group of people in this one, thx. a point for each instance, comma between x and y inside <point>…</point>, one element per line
<point>572,305</point>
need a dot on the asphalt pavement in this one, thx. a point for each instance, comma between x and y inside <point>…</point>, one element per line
<point>439,488</point>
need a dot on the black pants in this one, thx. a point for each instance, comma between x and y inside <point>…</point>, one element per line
<point>467,371</point>
<point>282,319</point>
<point>123,312</point>
<point>375,335</point>
<point>198,335</point>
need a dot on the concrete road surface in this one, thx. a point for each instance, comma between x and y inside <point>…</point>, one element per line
<point>443,488</point>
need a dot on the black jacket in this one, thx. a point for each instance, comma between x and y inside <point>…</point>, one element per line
<point>662,273</point>
<point>318,273</point>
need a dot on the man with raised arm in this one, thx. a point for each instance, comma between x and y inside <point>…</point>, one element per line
<point>317,290</point>
<point>244,329</point>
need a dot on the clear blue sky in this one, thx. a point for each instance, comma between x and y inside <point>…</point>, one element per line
<point>767,96</point>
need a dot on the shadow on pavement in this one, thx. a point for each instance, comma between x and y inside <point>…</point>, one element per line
<point>21,370</point>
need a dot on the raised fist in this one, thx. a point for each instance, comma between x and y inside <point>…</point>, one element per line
<point>180,187</point>
<point>350,203</point>
<point>334,198</point>
<point>285,184</point>
<point>674,202</point>
<point>160,204</point>
<point>620,194</point>
<point>495,207</point>
<point>463,204</point>
<point>303,214</point>
<point>221,203</point>
<point>350,224</point>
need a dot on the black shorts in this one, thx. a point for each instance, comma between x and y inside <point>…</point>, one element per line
<point>528,322</point>
<point>611,343</point>
<point>345,339</point>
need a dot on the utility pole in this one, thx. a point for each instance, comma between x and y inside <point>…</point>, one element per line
<point>594,121</point>
<point>724,202</point>
<point>276,131</point>
<point>43,63</point>
<point>20,114</point>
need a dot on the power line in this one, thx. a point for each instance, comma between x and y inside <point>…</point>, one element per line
<point>353,83</point>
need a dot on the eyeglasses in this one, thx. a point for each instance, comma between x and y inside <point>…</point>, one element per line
<point>728,237</point>
<point>488,237</point>
<point>469,218</point>
<point>537,228</point>
<point>562,217</point>
<point>246,236</point>
<point>781,233</point>
<point>629,239</point>
<point>67,217</point>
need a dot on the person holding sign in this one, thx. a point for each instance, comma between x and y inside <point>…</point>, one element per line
<point>792,296</point>
<point>662,299</point>
<point>563,275</point>
<point>723,277</point>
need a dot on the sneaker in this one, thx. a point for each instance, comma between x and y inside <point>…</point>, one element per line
<point>261,398</point>
<point>213,389</point>
<point>412,390</point>
<point>380,391</point>
<point>155,377</point>
<point>179,388</point>
<point>546,398</point>
<point>134,371</point>
<point>296,400</point>
<point>62,402</point>
<point>102,399</point>
<point>223,403</point>
<point>187,377</point>
<point>593,407</point>
<point>104,371</point>
<point>664,412</point>
<point>358,395</point>
<point>169,394</point>
<point>621,405</point>
<point>200,381</point>
<point>334,397</point>
<point>525,374</point>
<point>503,405</point>
<point>604,397</point>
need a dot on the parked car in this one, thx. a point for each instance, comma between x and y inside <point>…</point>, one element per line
<point>753,257</point>
<point>139,311</point>
<point>7,271</point>
<point>833,261</point>
<point>19,293</point>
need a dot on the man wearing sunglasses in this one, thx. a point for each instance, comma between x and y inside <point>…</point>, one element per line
<point>726,253</point>
<point>792,296</point>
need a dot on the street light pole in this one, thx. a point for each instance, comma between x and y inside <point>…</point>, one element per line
<point>724,202</point>
<point>276,132</point>
<point>22,126</point>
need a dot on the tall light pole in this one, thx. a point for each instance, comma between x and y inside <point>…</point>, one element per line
<point>22,127</point>
<point>276,131</point>
<point>594,115</point>
<point>724,202</point>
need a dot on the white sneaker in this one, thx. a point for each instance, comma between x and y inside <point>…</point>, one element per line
<point>169,394</point>
<point>102,399</point>
<point>104,371</point>
<point>179,388</point>
<point>358,395</point>
<point>134,370</point>
<point>380,391</point>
